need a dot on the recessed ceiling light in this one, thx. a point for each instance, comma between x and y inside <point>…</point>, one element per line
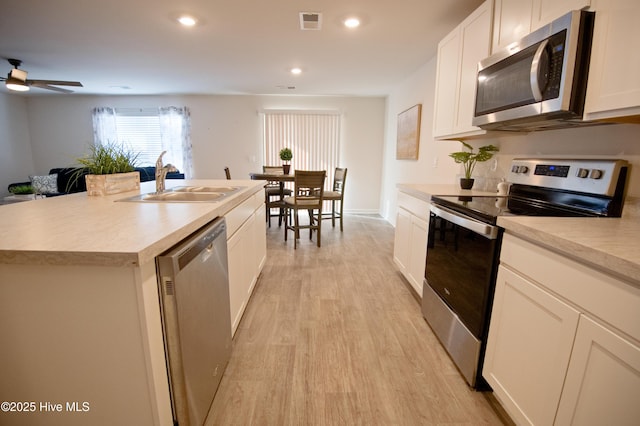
<point>352,22</point>
<point>187,21</point>
<point>296,71</point>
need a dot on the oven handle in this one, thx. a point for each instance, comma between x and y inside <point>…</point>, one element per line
<point>484,229</point>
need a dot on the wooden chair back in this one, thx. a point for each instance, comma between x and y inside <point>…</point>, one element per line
<point>309,188</point>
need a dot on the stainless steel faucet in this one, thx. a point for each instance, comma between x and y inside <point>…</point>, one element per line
<point>161,172</point>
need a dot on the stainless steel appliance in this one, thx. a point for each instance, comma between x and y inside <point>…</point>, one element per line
<point>538,82</point>
<point>194,295</point>
<point>463,245</point>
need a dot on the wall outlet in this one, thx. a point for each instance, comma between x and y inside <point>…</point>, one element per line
<point>435,162</point>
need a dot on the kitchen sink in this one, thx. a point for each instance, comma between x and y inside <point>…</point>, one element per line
<point>187,194</point>
<point>225,189</point>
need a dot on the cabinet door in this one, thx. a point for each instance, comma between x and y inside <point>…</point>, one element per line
<point>418,253</point>
<point>401,246</point>
<point>545,11</point>
<point>239,274</point>
<point>613,89</point>
<point>528,348</point>
<point>447,78</point>
<point>511,22</point>
<point>475,34</point>
<point>260,239</point>
<point>603,380</point>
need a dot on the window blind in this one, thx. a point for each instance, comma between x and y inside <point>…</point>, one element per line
<point>314,139</point>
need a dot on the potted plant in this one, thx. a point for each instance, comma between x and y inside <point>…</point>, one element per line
<point>469,160</point>
<point>286,155</point>
<point>111,169</point>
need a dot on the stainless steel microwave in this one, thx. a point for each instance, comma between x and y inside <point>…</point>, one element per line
<point>538,82</point>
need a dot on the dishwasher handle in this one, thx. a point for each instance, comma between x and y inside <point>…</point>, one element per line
<point>200,242</point>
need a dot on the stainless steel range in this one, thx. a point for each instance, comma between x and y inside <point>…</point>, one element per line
<point>464,243</point>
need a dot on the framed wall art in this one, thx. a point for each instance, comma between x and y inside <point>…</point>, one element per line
<point>409,133</point>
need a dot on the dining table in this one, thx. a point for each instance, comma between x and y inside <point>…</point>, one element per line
<point>281,178</point>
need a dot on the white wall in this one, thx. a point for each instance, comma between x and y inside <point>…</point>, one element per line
<point>433,165</point>
<point>225,131</point>
<point>16,163</point>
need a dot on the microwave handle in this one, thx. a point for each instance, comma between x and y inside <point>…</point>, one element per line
<point>533,74</point>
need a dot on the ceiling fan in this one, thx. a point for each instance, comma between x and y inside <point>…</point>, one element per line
<point>17,80</point>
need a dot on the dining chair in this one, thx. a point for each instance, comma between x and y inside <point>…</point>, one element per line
<point>307,195</point>
<point>227,173</point>
<point>335,195</point>
<point>273,198</point>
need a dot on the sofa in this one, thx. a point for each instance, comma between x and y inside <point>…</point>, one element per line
<point>61,181</point>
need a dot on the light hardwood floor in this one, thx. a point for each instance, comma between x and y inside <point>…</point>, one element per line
<point>333,336</point>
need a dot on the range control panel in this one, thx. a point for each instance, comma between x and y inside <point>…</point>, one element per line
<point>590,176</point>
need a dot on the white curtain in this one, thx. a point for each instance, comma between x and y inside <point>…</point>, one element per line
<point>149,131</point>
<point>105,129</point>
<point>175,134</point>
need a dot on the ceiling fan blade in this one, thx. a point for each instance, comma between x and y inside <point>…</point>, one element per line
<point>53,83</point>
<point>46,86</point>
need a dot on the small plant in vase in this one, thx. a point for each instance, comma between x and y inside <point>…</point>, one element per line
<point>469,159</point>
<point>108,169</point>
<point>286,155</point>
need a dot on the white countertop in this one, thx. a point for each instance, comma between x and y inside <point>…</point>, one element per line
<point>425,191</point>
<point>82,230</point>
<point>611,244</point>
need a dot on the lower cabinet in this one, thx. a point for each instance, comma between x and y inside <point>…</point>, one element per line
<point>603,379</point>
<point>563,345</point>
<point>246,253</point>
<point>410,244</point>
<point>528,349</point>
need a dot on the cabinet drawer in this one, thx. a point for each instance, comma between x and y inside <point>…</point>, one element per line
<point>591,290</point>
<point>236,217</point>
<point>416,206</point>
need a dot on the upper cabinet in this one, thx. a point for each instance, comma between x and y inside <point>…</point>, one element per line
<point>458,57</point>
<point>514,19</point>
<point>613,90</point>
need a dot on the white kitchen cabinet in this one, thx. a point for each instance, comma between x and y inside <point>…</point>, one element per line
<point>528,348</point>
<point>401,249</point>
<point>514,19</point>
<point>458,56</point>
<point>603,378</point>
<point>410,246</point>
<point>246,253</point>
<point>613,90</point>
<point>563,345</point>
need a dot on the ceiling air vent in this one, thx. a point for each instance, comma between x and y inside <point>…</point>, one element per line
<point>310,21</point>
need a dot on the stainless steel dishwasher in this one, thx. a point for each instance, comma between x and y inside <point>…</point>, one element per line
<point>193,282</point>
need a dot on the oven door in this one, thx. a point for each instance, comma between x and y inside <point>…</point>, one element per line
<point>462,257</point>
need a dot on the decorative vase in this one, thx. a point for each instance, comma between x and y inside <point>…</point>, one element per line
<point>112,183</point>
<point>286,168</point>
<point>466,183</point>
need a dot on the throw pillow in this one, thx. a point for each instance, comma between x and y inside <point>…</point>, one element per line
<point>45,184</point>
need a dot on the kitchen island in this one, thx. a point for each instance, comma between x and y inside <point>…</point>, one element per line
<point>80,322</point>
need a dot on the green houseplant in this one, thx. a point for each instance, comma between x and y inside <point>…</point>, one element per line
<point>469,159</point>
<point>110,167</point>
<point>21,190</point>
<point>286,155</point>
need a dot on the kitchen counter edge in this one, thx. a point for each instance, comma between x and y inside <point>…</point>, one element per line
<point>196,216</point>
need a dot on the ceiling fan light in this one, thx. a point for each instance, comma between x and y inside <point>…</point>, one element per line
<point>15,84</point>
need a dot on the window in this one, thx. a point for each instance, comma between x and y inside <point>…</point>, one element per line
<point>148,131</point>
<point>314,139</point>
